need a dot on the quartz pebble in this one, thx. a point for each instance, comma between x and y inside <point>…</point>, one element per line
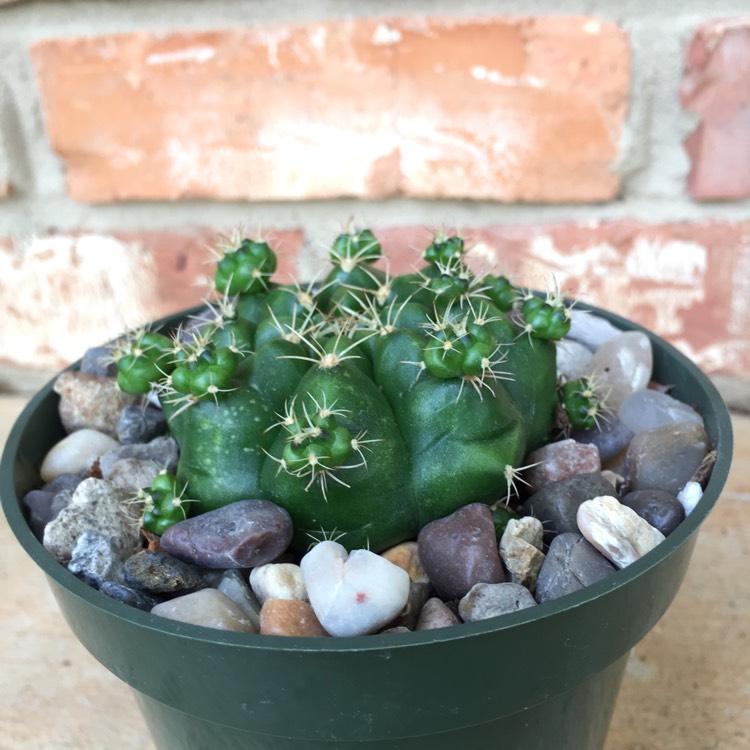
<point>590,330</point>
<point>571,564</point>
<point>521,550</point>
<point>486,600</point>
<point>353,593</point>
<point>665,458</point>
<point>573,359</point>
<point>209,608</point>
<point>406,556</point>
<point>557,504</point>
<point>689,496</point>
<point>95,559</point>
<point>290,617</point>
<point>234,585</point>
<point>75,453</point>
<point>278,581</point>
<point>243,534</point>
<point>436,614</point>
<point>96,505</point>
<point>622,365</point>
<point>139,424</point>
<point>158,573</point>
<point>662,510</point>
<point>90,401</point>
<point>647,409</point>
<point>460,550</point>
<point>617,531</point>
<point>560,460</point>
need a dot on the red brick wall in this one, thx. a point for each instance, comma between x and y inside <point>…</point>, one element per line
<point>557,143</point>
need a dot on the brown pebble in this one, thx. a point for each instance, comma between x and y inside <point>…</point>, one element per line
<point>406,556</point>
<point>289,617</point>
<point>436,614</point>
<point>561,460</point>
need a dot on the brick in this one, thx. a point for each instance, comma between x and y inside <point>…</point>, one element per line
<point>716,87</point>
<point>688,282</point>
<point>60,294</point>
<point>497,108</point>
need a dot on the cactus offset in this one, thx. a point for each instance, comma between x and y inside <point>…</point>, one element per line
<point>366,405</point>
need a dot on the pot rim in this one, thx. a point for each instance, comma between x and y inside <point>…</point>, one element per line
<point>722,443</point>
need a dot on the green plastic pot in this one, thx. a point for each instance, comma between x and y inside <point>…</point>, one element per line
<point>545,677</point>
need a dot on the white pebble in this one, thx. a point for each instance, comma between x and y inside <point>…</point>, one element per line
<point>75,453</point>
<point>690,496</point>
<point>278,581</point>
<point>353,593</point>
<point>622,365</point>
<point>573,359</point>
<point>590,330</point>
<point>617,531</point>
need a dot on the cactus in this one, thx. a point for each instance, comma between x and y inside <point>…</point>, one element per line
<point>365,405</point>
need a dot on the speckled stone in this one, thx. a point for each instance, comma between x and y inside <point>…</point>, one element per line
<point>95,559</point>
<point>662,510</point>
<point>557,504</point>
<point>130,596</point>
<point>207,607</point>
<point>520,550</point>
<point>90,401</point>
<point>132,474</point>
<point>436,614</point>
<point>460,550</point>
<point>290,617</point>
<point>665,458</point>
<point>158,573</point>
<point>486,600</point>
<point>560,460</point>
<point>571,564</point>
<point>243,534</point>
<point>162,451</point>
<point>138,424</point>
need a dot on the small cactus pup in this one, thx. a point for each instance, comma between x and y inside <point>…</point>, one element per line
<point>366,405</point>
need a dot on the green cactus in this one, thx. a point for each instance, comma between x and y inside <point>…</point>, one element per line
<point>367,406</point>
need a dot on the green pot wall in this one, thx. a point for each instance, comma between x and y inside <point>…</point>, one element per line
<point>545,677</point>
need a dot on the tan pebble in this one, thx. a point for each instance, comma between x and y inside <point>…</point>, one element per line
<point>289,617</point>
<point>406,556</point>
<point>207,607</point>
<point>436,614</point>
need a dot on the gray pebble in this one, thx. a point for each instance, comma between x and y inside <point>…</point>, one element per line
<point>460,550</point>
<point>161,451</point>
<point>243,534</point>
<point>95,559</point>
<point>139,425</point>
<point>132,474</point>
<point>487,600</point>
<point>130,596</point>
<point>662,510</point>
<point>571,563</point>
<point>63,482</point>
<point>557,504</point>
<point>159,573</point>
<point>39,506</point>
<point>234,585</point>
<point>98,361</point>
<point>611,437</point>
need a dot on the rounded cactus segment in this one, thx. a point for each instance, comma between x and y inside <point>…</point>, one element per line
<point>245,270</point>
<point>546,319</point>
<point>355,248</point>
<point>143,360</point>
<point>444,249</point>
<point>163,504</point>
<point>582,402</point>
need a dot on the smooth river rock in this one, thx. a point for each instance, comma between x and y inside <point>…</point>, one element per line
<point>662,510</point>
<point>622,365</point>
<point>209,608</point>
<point>76,453</point>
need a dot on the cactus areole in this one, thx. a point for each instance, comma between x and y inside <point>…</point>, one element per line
<point>366,405</point>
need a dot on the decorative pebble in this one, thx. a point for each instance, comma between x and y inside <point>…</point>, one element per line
<point>98,360</point>
<point>90,401</point>
<point>557,504</point>
<point>234,585</point>
<point>647,409</point>
<point>406,556</point>
<point>353,593</point>
<point>520,550</point>
<point>560,460</point>
<point>132,474</point>
<point>689,496</point>
<point>138,424</point>
<point>486,600</point>
<point>130,596</point>
<point>243,534</point>
<point>96,505</point>
<point>155,572</point>
<point>95,559</point>
<point>63,482</point>
<point>436,614</point>
<point>161,451</point>
<point>571,564</point>
<point>617,531</point>
<point>419,593</point>
<point>75,453</point>
<point>209,608</point>
<point>666,457</point>
<point>460,550</point>
<point>291,617</point>
<point>41,511</point>
<point>662,510</point>
<point>611,438</point>
<point>590,330</point>
<point>622,365</point>
<point>573,359</point>
<point>278,581</point>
